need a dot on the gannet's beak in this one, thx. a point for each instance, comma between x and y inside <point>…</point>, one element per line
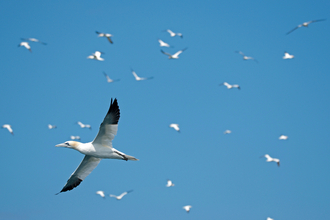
<point>61,145</point>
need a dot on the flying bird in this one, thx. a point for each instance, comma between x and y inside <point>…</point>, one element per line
<point>187,208</point>
<point>270,218</point>
<point>174,56</point>
<point>84,125</point>
<point>175,126</point>
<point>101,193</point>
<point>96,56</point>
<point>283,137</point>
<point>305,24</point>
<point>8,127</point>
<point>108,36</point>
<point>287,56</point>
<point>51,126</point>
<point>110,80</point>
<point>230,86</point>
<point>100,148</point>
<point>163,44</point>
<point>26,45</point>
<point>137,78</point>
<point>33,40</point>
<point>174,34</point>
<point>227,132</point>
<point>169,183</point>
<point>246,57</point>
<point>121,195</point>
<point>74,137</point>
<point>270,159</point>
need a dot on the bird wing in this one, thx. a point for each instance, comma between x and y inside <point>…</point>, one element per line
<point>294,29</point>
<point>317,20</point>
<point>135,75</point>
<point>87,165</point>
<point>240,52</point>
<point>109,39</point>
<point>124,193</point>
<point>109,126</point>
<point>165,53</point>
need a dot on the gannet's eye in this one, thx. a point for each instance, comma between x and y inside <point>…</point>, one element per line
<point>67,143</point>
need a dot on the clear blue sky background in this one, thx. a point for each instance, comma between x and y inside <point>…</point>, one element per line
<point>221,176</point>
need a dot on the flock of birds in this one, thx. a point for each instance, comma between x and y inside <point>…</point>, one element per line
<point>101,147</point>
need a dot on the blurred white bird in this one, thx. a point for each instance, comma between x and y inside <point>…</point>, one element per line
<point>33,40</point>
<point>163,44</point>
<point>74,137</point>
<point>101,193</point>
<point>8,127</point>
<point>270,159</point>
<point>283,137</point>
<point>230,86</point>
<point>187,208</point>
<point>246,57</point>
<point>174,34</point>
<point>110,80</point>
<point>96,56</point>
<point>84,125</point>
<point>26,45</point>
<point>137,78</point>
<point>305,24</point>
<point>51,126</point>
<point>174,56</point>
<point>169,183</point>
<point>287,56</point>
<point>227,132</point>
<point>270,218</point>
<point>105,35</point>
<point>175,126</point>
<point>121,195</point>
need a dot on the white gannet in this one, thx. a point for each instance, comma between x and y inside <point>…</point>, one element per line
<point>287,56</point>
<point>187,208</point>
<point>305,24</point>
<point>283,137</point>
<point>110,80</point>
<point>8,128</point>
<point>270,218</point>
<point>137,78</point>
<point>175,126</point>
<point>101,193</point>
<point>163,44</point>
<point>270,159</point>
<point>100,148</point>
<point>51,126</point>
<point>174,34</point>
<point>26,45</point>
<point>169,183</point>
<point>96,56</point>
<point>33,40</point>
<point>246,57</point>
<point>121,195</point>
<point>227,132</point>
<point>105,35</point>
<point>84,125</point>
<point>75,137</point>
<point>174,56</point>
<point>230,86</point>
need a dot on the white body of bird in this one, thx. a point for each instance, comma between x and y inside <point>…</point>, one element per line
<point>174,56</point>
<point>227,132</point>
<point>8,127</point>
<point>101,193</point>
<point>230,86</point>
<point>51,126</point>
<point>109,80</point>
<point>137,78</point>
<point>26,45</point>
<point>270,159</point>
<point>174,34</point>
<point>246,57</point>
<point>121,195</point>
<point>108,36</point>
<point>96,56</point>
<point>163,44</point>
<point>305,24</point>
<point>175,127</point>
<point>283,137</point>
<point>287,56</point>
<point>84,125</point>
<point>169,183</point>
<point>75,137</point>
<point>187,208</point>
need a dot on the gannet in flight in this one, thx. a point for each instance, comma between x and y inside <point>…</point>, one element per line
<point>169,183</point>
<point>283,137</point>
<point>100,148</point>
<point>121,195</point>
<point>187,208</point>
<point>174,34</point>
<point>287,56</point>
<point>105,35</point>
<point>305,24</point>
<point>33,40</point>
<point>101,193</point>
<point>8,128</point>
<point>246,57</point>
<point>51,126</point>
<point>74,137</point>
<point>108,78</point>
<point>270,159</point>
<point>137,78</point>
<point>96,56</point>
<point>163,44</point>
<point>175,126</point>
<point>84,125</point>
<point>230,86</point>
<point>26,45</point>
<point>270,218</point>
<point>227,132</point>
<point>174,56</point>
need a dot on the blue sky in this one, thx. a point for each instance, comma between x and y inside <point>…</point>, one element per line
<point>221,176</point>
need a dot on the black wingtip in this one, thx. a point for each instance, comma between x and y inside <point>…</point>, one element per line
<point>114,110</point>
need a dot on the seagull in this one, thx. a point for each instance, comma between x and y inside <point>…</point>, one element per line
<point>246,57</point>
<point>84,125</point>
<point>108,78</point>
<point>187,208</point>
<point>8,128</point>
<point>174,34</point>
<point>175,126</point>
<point>174,56</point>
<point>305,24</point>
<point>270,159</point>
<point>26,45</point>
<point>169,183</point>
<point>51,126</point>
<point>105,35</point>
<point>227,132</point>
<point>74,137</point>
<point>100,148</point>
<point>163,44</point>
<point>33,40</point>
<point>121,195</point>
<point>101,193</point>
<point>96,56</point>
<point>287,56</point>
<point>230,86</point>
<point>137,78</point>
<point>283,137</point>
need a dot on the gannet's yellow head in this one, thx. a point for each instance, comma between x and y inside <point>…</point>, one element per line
<point>69,144</point>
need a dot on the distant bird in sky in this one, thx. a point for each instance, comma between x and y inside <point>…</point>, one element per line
<point>74,137</point>
<point>227,132</point>
<point>137,78</point>
<point>174,34</point>
<point>26,45</point>
<point>100,148</point>
<point>270,218</point>
<point>101,193</point>
<point>283,137</point>
<point>51,126</point>
<point>246,57</point>
<point>175,126</point>
<point>121,195</point>
<point>230,86</point>
<point>305,24</point>
<point>270,159</point>
<point>110,80</point>
<point>287,56</point>
<point>169,183</point>
<point>108,36</point>
<point>84,125</point>
<point>96,56</point>
<point>163,44</point>
<point>174,56</point>
<point>8,127</point>
<point>33,40</point>
<point>187,208</point>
